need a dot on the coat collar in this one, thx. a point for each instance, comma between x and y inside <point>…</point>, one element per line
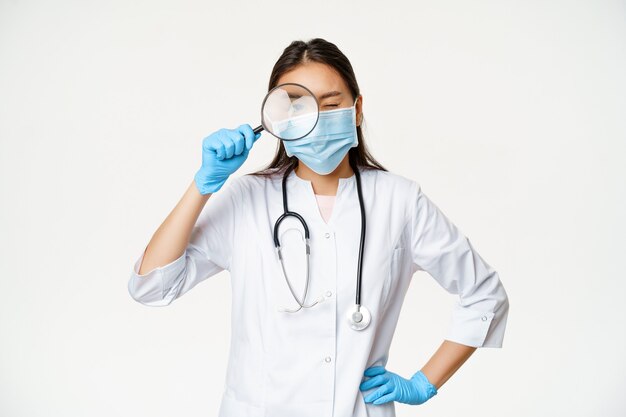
<point>308,184</point>
<point>346,190</point>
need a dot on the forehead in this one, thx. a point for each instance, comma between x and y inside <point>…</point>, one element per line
<point>317,77</point>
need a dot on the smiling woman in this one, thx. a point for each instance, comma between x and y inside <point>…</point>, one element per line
<point>308,362</point>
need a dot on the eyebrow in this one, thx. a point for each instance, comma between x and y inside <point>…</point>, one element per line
<point>330,94</point>
<point>322,97</point>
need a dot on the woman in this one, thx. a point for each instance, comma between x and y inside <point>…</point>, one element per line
<point>321,359</point>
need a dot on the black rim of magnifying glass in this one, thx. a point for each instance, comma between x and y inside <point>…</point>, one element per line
<point>262,126</point>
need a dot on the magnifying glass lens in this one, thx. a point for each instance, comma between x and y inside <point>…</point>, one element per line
<point>290,111</point>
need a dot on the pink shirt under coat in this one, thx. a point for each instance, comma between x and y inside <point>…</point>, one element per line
<point>325,204</point>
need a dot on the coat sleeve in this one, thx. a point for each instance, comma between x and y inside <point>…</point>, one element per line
<point>438,247</point>
<point>209,251</point>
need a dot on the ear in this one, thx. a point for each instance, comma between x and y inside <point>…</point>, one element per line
<point>359,110</point>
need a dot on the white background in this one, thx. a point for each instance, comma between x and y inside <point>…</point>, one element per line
<point>510,114</point>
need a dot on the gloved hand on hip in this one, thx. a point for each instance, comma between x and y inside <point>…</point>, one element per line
<point>223,152</point>
<point>393,387</point>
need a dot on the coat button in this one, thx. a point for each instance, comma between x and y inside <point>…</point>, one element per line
<point>326,235</point>
<point>328,293</point>
<point>327,359</point>
<point>484,318</point>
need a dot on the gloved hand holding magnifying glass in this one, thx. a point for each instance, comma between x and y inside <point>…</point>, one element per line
<point>289,111</point>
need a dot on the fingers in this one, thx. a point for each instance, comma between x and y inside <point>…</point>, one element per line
<point>211,144</point>
<point>249,135</point>
<point>385,389</point>
<point>385,399</point>
<point>374,370</point>
<point>228,139</point>
<point>374,382</point>
<point>227,143</point>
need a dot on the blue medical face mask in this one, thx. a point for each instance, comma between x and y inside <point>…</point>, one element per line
<point>327,144</point>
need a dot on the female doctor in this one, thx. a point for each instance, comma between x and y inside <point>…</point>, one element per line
<point>302,343</point>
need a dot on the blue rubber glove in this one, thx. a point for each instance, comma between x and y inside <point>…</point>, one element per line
<point>223,152</point>
<point>416,390</point>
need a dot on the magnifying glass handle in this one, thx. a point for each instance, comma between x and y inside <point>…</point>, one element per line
<point>258,129</point>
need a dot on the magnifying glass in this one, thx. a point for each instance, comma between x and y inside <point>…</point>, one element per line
<point>289,111</point>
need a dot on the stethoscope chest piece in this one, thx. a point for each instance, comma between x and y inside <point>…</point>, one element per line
<point>358,317</point>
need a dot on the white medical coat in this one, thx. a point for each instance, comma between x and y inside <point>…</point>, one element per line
<point>311,363</point>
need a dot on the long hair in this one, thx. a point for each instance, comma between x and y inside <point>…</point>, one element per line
<point>322,51</point>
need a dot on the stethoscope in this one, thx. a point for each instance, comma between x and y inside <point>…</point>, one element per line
<point>358,316</point>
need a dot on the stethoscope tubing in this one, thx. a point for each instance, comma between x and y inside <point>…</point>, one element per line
<point>287,213</point>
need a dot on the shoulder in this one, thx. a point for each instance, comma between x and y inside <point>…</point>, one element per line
<point>401,192</point>
<point>394,183</point>
<point>251,182</point>
<point>248,186</point>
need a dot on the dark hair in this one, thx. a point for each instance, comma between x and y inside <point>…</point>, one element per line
<point>322,51</point>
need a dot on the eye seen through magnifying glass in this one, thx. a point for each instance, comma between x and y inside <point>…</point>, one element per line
<point>289,111</point>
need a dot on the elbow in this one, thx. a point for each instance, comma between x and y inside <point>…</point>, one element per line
<point>146,291</point>
<point>503,299</point>
<point>497,329</point>
<point>134,294</point>
<point>159,287</point>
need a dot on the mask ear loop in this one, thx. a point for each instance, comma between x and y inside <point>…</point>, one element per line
<point>355,112</point>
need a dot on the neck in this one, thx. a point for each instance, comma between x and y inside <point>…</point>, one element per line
<point>325,184</point>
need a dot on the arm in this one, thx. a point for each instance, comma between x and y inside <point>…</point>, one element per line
<point>439,247</point>
<point>195,242</point>
<point>171,238</point>
<point>479,315</point>
<point>424,384</point>
<point>202,249</point>
<point>446,361</point>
